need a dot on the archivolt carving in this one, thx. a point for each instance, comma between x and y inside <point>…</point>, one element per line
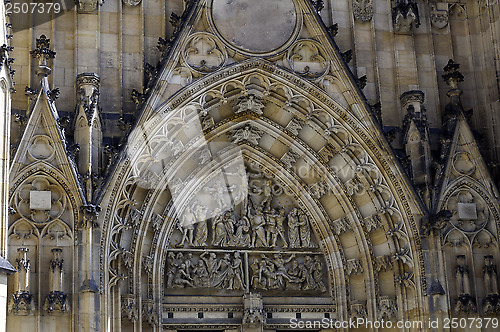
<point>204,53</point>
<point>306,58</point>
<point>354,143</point>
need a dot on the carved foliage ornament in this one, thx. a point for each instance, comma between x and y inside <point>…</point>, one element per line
<point>363,10</point>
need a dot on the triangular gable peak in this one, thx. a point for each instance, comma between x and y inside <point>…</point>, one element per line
<point>206,41</point>
<point>465,187</point>
<point>464,160</point>
<point>43,148</point>
<point>43,141</point>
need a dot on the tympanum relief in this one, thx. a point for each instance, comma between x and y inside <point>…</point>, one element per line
<point>259,241</point>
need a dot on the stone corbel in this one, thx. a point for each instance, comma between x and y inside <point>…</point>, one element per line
<point>439,15</point>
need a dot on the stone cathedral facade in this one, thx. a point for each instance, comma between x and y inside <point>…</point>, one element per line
<point>236,165</point>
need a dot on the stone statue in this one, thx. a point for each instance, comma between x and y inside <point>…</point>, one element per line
<point>219,232</point>
<point>242,235</point>
<point>271,231</point>
<point>281,272</point>
<point>280,229</point>
<point>490,276</point>
<point>258,223</point>
<point>255,282</point>
<point>293,229</point>
<point>218,191</point>
<point>247,133</point>
<point>305,230</point>
<point>236,281</point>
<point>171,268</point>
<point>224,272</point>
<point>187,226</point>
<point>201,234</point>
<point>181,278</point>
<point>317,273</point>
<point>229,224</point>
<point>295,278</point>
<point>251,103</point>
<point>210,261</point>
<point>307,269</point>
<point>200,275</point>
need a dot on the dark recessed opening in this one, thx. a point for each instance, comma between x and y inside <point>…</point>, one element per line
<point>200,315</point>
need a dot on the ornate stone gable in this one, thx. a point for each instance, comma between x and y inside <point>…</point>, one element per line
<point>202,47</point>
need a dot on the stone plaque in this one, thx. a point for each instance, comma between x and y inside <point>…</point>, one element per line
<point>467,211</point>
<point>40,200</point>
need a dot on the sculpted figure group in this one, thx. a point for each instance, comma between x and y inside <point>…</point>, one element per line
<point>207,270</point>
<point>260,227</point>
<point>226,271</point>
<point>272,274</point>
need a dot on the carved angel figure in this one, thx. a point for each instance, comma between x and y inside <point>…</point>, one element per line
<point>251,103</point>
<point>247,133</point>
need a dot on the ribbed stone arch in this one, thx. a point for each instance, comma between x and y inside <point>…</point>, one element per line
<point>355,123</point>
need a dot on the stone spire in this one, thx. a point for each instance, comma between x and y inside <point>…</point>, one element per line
<point>43,54</point>
<point>88,130</point>
<point>416,139</point>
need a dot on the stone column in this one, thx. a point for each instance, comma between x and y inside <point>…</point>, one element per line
<point>57,300</point>
<point>88,308</point>
<point>88,129</point>
<point>22,301</point>
<point>253,313</point>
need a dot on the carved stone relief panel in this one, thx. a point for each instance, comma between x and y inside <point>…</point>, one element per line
<point>253,241</point>
<point>243,270</point>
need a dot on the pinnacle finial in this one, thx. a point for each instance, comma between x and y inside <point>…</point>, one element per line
<point>452,75</point>
<point>43,53</point>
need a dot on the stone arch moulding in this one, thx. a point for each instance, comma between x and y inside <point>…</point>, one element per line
<point>289,121</point>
